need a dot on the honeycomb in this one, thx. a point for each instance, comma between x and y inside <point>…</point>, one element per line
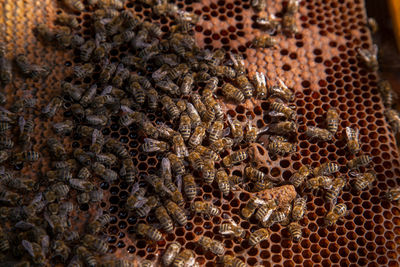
<point>319,63</point>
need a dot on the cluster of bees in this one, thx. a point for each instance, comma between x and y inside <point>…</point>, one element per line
<point>167,72</point>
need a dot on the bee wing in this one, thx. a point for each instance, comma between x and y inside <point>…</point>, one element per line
<point>165,165</point>
<point>96,133</point>
<point>45,243</point>
<point>47,218</point>
<point>282,83</point>
<point>28,247</point>
<point>268,215</point>
<point>24,226</point>
<point>226,232</point>
<point>259,201</point>
<point>21,123</point>
<point>355,174</point>
<point>226,131</point>
<point>126,109</point>
<point>37,198</point>
<point>275,114</point>
<point>135,188</point>
<point>178,182</point>
<point>375,50</point>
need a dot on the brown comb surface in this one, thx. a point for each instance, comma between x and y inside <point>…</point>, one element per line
<point>319,63</point>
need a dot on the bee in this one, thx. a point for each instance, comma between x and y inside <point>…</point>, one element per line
<point>364,180</point>
<point>352,138</point>
<point>282,128</point>
<point>11,197</point>
<point>136,198</point>
<point>265,211</point>
<point>152,145</point>
<point>238,64</point>
<point>197,136</point>
<point>121,74</point>
<point>393,118</point>
<point>153,29</point>
<point>232,93</point>
<point>77,111</point>
<point>279,146</point>
<point>95,244</point>
<point>319,134</point>
<point>176,164</point>
<point>189,186</point>
<point>187,84</point>
<point>198,104</point>
<point>208,171</point>
<point>257,236</point>
<point>299,208</point>
<point>176,212</point>
<point>44,32</point>
<point>369,57</point>
<point>289,26</point>
<point>63,128</point>
<point>385,89</point>
<point>372,25</point>
<point>260,85</point>
<point>164,219</point>
<point>35,251</point>
<point>206,208</point>
<point>170,107</point>
<point>26,156</point>
<point>4,155</point>
<point>56,223</point>
<point>207,153</point>
<point>212,84</point>
<point>214,246</point>
<point>254,174</point>
<point>228,260</point>
<point>221,144</point>
<point>245,85</point>
<point>66,208</point>
<point>107,159</point>
<point>358,162</point>
<point>185,126</point>
<point>264,41</point>
<point>279,216</point>
<point>106,174</point>
<point>282,91</point>
<point>60,189</point>
<point>74,92</point>
<point>332,120</point>
<point>82,156</point>
<point>152,98</point>
<point>81,185</point>
<point>270,24</point>
<point>52,107</point>
<point>259,5</point>
<point>67,19</point>
<point>5,69</point>
<point>193,114</point>
<point>149,231</point>
<point>171,253</point>
<point>251,207</point>
<point>31,70</point>
<point>6,142</point>
<point>282,110</point>
<point>83,71</point>
<point>185,258</point>
<point>337,186</point>
<point>236,129</point>
<point>326,169</point>
<point>215,131</point>
<point>87,257</point>
<point>223,181</point>
<point>77,41</point>
<point>315,183</point>
<point>179,146</point>
<point>231,228</point>
<point>338,211</point>
<point>4,243</point>
<point>262,185</point>
<point>75,5</point>
<point>168,86</point>
<point>295,231</point>
<point>234,158</point>
<point>116,148</point>
<point>393,194</point>
<point>96,195</point>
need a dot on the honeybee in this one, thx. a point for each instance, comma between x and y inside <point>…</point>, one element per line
<point>60,249</point>
<point>212,84</point>
<point>326,169</point>
<point>60,189</point>
<point>221,144</point>
<point>179,146</point>
<point>64,127</point>
<point>171,253</point>
<point>208,171</point>
<point>299,208</point>
<point>319,134</point>
<point>393,194</point>
<point>121,74</point>
<point>196,161</point>
<point>56,223</point>
<point>44,32</point>
<point>11,197</point>
<point>82,156</point>
<point>86,50</point>
<point>251,207</point>
<point>260,85</point>
<point>152,145</point>
<point>279,146</point>
<point>385,89</point>
<point>149,231</point>
<point>230,261</point>
<point>259,5</point>
<point>281,109</point>
<point>136,198</point>
<point>279,216</point>
<point>72,91</point>
<point>31,70</point>
<point>207,153</point>
<point>352,138</point>
<point>364,180</point>
<point>95,244</point>
<point>265,211</point>
<point>332,120</point>
<point>187,84</point>
<point>5,69</point>
<point>289,26</point>
<point>83,71</point>
<point>337,186</point>
<point>170,107</point>
<point>176,164</point>
<point>193,114</point>
<point>270,24</point>
<point>315,183</point>
<point>77,111</point>
<point>262,185</point>
<point>245,85</point>
<point>214,246</point>
<point>52,107</point>
<point>257,236</point>
<point>6,142</point>
<point>234,158</point>
<point>4,155</point>
<point>236,129</point>
<point>35,251</point>
<point>185,126</point>
<point>215,131</point>
<point>223,181</point>
<point>369,57</point>
<point>88,96</point>
<point>4,243</point>
<point>75,5</point>
<point>26,156</point>
<point>197,136</point>
<point>338,211</point>
<point>223,71</point>
<point>116,148</point>
<point>358,162</point>
<point>254,174</point>
<point>232,93</point>
<point>206,208</point>
<point>393,118</point>
<point>68,20</point>
<point>106,174</point>
<point>176,212</point>
<point>87,257</point>
<point>264,41</point>
<point>185,258</point>
<point>81,185</point>
<point>282,128</point>
<point>295,231</point>
<point>107,159</point>
<point>231,228</point>
<point>189,186</point>
<point>164,219</point>
<point>198,104</point>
